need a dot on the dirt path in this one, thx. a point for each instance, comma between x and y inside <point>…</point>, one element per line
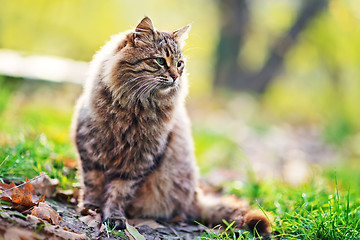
<point>14,226</point>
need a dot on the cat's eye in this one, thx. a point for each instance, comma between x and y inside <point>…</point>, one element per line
<point>180,63</point>
<point>161,61</point>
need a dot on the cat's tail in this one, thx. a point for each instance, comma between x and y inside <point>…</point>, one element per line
<point>216,208</point>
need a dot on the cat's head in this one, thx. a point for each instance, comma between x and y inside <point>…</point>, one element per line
<point>148,63</point>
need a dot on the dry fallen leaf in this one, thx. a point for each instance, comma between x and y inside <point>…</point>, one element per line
<point>45,185</point>
<point>7,186</point>
<point>137,222</point>
<point>28,187</point>
<point>45,212</point>
<point>25,200</point>
<point>92,219</point>
<point>5,197</point>
<point>6,191</point>
<point>71,163</point>
<point>22,199</point>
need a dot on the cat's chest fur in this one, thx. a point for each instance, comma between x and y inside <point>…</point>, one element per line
<point>138,134</point>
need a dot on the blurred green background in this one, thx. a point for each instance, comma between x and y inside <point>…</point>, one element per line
<point>274,85</point>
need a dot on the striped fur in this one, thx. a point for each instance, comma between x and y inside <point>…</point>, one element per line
<point>133,135</point>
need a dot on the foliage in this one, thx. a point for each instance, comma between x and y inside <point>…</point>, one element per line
<point>32,140</point>
<point>318,214</point>
<point>30,157</point>
<point>77,29</point>
<point>315,210</point>
<point>319,83</point>
<point>227,232</point>
<point>214,149</point>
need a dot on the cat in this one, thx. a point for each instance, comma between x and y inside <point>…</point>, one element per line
<point>134,140</point>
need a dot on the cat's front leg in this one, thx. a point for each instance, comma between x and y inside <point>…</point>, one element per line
<point>94,181</point>
<point>93,189</point>
<point>118,193</point>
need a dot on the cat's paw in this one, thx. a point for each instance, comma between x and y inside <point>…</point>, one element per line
<point>116,222</point>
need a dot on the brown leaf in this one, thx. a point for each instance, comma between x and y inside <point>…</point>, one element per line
<point>22,197</point>
<point>45,185</point>
<point>47,213</point>
<point>92,221</point>
<point>4,190</point>
<point>41,200</point>
<point>71,163</point>
<point>5,186</point>
<point>5,198</point>
<point>28,187</point>
<point>137,222</point>
<point>92,218</point>
<point>24,238</point>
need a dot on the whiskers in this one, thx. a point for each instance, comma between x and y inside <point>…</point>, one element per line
<point>145,90</point>
<point>140,88</point>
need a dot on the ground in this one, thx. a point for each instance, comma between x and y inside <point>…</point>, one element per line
<point>72,226</point>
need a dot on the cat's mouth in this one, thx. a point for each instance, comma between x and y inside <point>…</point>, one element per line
<point>168,83</point>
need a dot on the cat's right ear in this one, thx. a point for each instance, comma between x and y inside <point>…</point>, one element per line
<point>181,35</point>
<point>144,32</point>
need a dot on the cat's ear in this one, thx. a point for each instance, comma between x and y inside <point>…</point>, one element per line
<point>145,26</point>
<point>181,34</point>
<point>144,31</point>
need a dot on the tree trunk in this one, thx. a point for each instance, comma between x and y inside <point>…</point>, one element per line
<point>231,74</point>
<point>235,16</point>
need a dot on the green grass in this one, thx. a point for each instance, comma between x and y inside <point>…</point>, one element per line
<point>214,149</point>
<point>311,211</point>
<point>227,232</point>
<point>30,157</point>
<point>114,232</point>
<point>317,213</point>
<point>34,131</point>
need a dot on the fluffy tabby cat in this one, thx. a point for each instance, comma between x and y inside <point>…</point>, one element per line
<point>133,136</point>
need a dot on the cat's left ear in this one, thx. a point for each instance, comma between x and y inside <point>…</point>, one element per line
<point>145,26</point>
<point>182,34</point>
<point>144,31</point>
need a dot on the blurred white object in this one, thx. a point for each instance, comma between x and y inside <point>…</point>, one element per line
<point>49,68</point>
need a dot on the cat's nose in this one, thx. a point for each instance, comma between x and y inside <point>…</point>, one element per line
<point>174,76</point>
